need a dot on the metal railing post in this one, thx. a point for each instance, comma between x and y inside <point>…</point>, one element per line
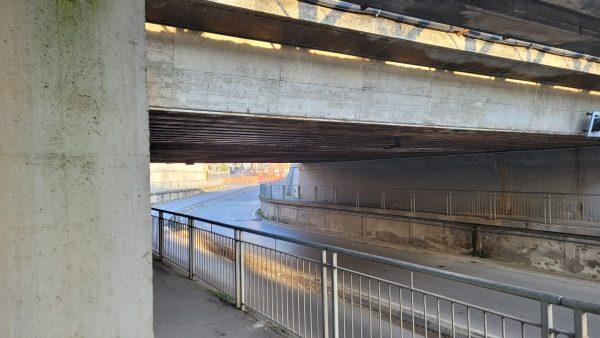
<point>383,198</point>
<point>581,325</point>
<point>447,202</point>
<point>545,210</point>
<point>412,301</point>
<point>357,196</point>
<point>495,204</point>
<point>238,269</point>
<point>580,208</point>
<point>299,193</point>
<point>549,209</point>
<point>334,195</point>
<point>547,320</point>
<point>161,234</point>
<point>324,293</point>
<point>334,281</point>
<point>413,201</point>
<point>315,195</point>
<point>491,201</point>
<point>191,248</point>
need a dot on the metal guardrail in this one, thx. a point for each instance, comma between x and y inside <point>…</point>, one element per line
<point>265,272</point>
<point>163,197</point>
<point>174,186</point>
<point>548,208</point>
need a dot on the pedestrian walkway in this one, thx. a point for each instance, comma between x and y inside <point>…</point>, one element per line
<point>183,308</point>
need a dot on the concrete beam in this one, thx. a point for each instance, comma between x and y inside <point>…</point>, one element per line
<point>199,71</point>
<point>74,201</point>
<point>193,136</point>
<point>572,25</point>
<point>301,24</point>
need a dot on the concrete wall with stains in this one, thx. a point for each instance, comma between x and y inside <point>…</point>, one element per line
<point>74,207</point>
<point>551,171</point>
<point>209,72</point>
<point>558,252</point>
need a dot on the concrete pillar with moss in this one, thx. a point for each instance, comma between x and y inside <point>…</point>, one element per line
<point>74,197</point>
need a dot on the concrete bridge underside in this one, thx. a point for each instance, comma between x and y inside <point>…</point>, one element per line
<point>184,136</point>
<point>221,98</point>
<point>573,25</point>
<point>299,23</point>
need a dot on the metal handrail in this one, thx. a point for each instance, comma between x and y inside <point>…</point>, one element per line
<point>547,208</point>
<point>248,230</point>
<point>574,304</point>
<point>174,191</point>
<point>444,190</point>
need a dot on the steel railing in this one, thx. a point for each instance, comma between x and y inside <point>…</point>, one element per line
<point>163,197</point>
<point>302,286</point>
<point>161,192</point>
<point>175,186</point>
<point>548,208</point>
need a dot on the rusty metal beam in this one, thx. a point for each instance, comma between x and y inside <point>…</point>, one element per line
<point>204,137</point>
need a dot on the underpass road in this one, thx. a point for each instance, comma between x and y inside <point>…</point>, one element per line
<point>237,206</point>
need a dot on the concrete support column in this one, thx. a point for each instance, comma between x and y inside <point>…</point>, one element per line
<point>74,194</point>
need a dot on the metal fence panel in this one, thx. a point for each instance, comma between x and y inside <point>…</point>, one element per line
<point>432,201</point>
<point>284,288</point>
<point>548,208</point>
<point>370,197</point>
<point>398,199</point>
<point>325,195</point>
<point>314,298</point>
<point>214,260</point>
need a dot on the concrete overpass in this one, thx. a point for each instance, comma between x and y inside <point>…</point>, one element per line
<point>303,24</point>
<point>572,25</point>
<point>75,147</point>
<point>458,125</point>
<point>254,94</point>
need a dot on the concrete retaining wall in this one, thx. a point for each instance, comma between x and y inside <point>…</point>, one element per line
<point>551,171</point>
<point>554,251</point>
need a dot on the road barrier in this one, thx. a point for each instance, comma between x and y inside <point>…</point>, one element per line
<point>157,188</point>
<point>547,208</point>
<point>161,192</point>
<point>317,290</point>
